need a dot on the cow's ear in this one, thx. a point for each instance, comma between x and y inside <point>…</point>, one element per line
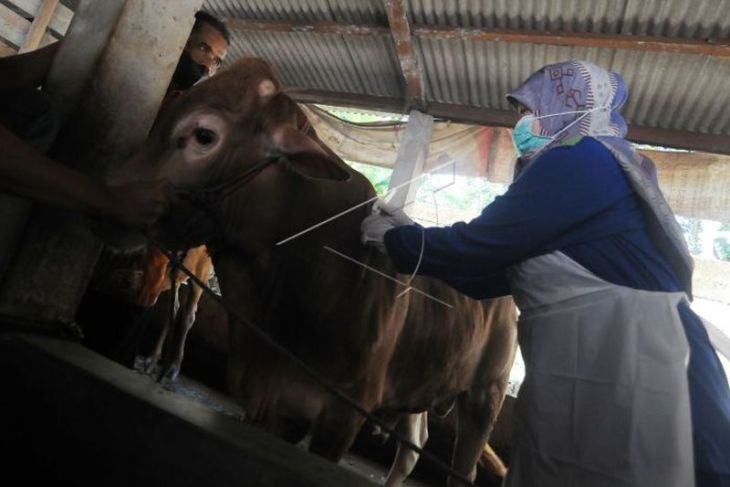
<point>309,158</point>
<point>317,166</point>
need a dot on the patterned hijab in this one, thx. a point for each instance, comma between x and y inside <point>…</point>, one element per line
<point>587,97</point>
<point>585,100</point>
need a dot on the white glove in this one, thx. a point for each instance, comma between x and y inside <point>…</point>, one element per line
<point>384,217</point>
<point>393,211</point>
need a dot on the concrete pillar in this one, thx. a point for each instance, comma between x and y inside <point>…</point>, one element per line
<point>412,155</point>
<point>108,79</point>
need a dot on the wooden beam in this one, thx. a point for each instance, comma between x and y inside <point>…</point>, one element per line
<point>13,27</point>
<point>38,28</point>
<point>706,47</point>
<point>61,16</point>
<point>717,144</point>
<point>369,102</point>
<point>314,27</point>
<point>457,113</point>
<point>6,49</point>
<point>401,31</point>
<point>680,139</point>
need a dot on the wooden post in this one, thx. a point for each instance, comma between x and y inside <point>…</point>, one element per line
<point>39,26</point>
<point>108,79</point>
<point>403,41</point>
<point>412,155</point>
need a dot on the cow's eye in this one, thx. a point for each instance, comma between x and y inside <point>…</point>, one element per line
<point>204,136</point>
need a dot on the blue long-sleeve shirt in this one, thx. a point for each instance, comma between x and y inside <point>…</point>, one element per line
<point>575,199</point>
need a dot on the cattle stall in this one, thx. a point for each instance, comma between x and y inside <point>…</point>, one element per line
<point>411,89</point>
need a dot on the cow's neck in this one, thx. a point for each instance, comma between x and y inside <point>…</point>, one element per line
<point>279,205</point>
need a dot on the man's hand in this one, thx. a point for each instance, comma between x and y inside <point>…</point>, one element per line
<point>140,203</point>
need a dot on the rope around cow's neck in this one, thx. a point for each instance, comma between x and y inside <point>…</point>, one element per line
<point>304,367</point>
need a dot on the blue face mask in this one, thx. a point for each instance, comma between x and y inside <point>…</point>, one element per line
<point>526,142</point>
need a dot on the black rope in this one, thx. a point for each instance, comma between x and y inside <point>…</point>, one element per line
<point>209,194</point>
<point>306,368</point>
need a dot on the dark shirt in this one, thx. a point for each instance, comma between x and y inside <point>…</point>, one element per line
<point>577,199</point>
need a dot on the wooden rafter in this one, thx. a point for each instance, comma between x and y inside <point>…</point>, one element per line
<point>39,26</point>
<point>719,144</point>
<point>706,47</point>
<point>314,27</point>
<point>401,31</point>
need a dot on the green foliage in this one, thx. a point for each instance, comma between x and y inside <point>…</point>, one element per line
<point>722,248</point>
<point>692,229</point>
<point>361,116</point>
<point>379,177</point>
<point>461,193</point>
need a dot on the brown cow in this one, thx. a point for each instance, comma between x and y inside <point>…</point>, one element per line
<point>158,277</point>
<point>393,355</point>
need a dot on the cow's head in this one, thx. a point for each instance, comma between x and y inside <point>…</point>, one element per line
<point>213,134</point>
<point>198,134</point>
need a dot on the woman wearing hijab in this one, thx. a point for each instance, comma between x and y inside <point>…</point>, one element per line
<point>622,385</point>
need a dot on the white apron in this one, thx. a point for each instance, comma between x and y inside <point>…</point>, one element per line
<point>605,399</point>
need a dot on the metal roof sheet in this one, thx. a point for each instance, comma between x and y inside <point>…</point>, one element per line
<point>684,92</point>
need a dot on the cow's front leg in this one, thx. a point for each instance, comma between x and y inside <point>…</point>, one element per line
<point>335,430</point>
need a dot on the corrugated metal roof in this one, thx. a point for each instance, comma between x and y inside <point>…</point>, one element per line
<point>365,65</point>
<point>686,92</point>
<point>697,19</point>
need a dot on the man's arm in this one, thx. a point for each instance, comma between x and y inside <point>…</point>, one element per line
<point>27,70</point>
<point>26,172</point>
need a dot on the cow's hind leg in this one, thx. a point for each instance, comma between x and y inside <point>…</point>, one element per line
<point>415,428</point>
<point>477,411</point>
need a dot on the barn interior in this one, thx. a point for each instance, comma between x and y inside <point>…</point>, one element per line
<point>401,90</point>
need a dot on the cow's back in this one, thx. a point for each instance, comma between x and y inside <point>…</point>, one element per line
<point>442,351</point>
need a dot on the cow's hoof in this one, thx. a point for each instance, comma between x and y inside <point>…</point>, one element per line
<point>169,374</point>
<point>146,365</point>
<point>139,364</point>
<point>151,367</point>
